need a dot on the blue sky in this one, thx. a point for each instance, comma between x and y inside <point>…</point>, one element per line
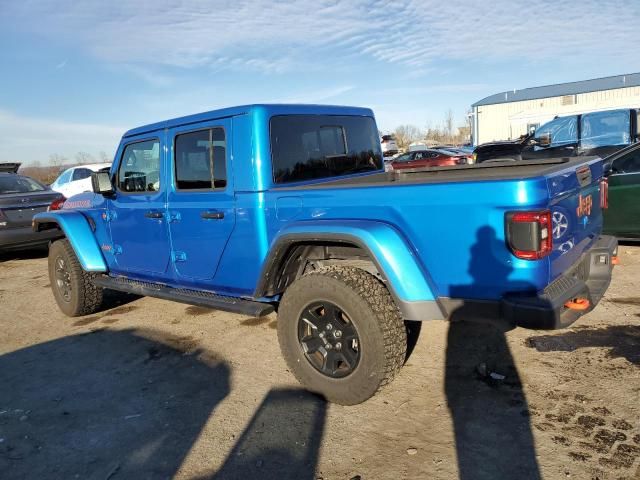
<point>76,74</point>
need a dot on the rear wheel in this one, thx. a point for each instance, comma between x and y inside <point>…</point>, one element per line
<point>341,333</point>
<point>72,287</point>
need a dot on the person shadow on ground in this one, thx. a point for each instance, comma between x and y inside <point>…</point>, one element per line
<point>282,440</point>
<point>483,387</point>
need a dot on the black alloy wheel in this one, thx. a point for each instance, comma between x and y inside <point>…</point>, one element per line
<point>63,279</point>
<point>329,339</point>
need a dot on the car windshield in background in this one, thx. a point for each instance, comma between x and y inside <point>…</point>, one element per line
<point>403,158</point>
<point>307,147</point>
<point>18,184</point>
<point>561,131</point>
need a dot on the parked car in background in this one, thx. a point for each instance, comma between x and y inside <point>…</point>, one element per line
<point>594,133</point>
<point>389,145</point>
<point>622,217</point>
<point>20,199</point>
<point>77,179</point>
<point>427,158</point>
<point>456,151</point>
<point>9,167</point>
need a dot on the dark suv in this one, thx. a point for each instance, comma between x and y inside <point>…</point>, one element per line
<point>595,133</point>
<point>20,199</point>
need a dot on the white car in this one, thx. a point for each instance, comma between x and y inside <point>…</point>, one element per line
<point>389,145</point>
<point>77,179</point>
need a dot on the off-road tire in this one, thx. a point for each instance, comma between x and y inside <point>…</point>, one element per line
<point>381,330</point>
<point>83,297</point>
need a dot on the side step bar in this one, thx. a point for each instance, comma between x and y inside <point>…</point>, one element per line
<point>192,297</point>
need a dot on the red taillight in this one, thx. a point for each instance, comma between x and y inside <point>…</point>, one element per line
<point>604,193</point>
<point>529,234</point>
<point>56,204</point>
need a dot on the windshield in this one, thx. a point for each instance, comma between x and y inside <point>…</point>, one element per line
<point>18,184</point>
<point>403,158</point>
<point>561,131</point>
<point>449,152</point>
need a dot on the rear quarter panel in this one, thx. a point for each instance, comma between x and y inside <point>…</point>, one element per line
<point>454,230</point>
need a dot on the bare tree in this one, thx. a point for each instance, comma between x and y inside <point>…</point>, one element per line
<point>434,134</point>
<point>405,135</point>
<point>103,157</point>
<point>83,158</point>
<point>57,160</point>
<point>448,125</point>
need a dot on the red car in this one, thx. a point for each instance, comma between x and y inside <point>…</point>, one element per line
<point>427,158</point>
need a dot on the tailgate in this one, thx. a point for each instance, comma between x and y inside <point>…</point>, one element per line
<point>576,210</point>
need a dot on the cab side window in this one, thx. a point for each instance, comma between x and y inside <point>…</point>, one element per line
<point>139,170</point>
<point>601,129</point>
<point>200,160</point>
<point>629,163</point>
<point>81,173</point>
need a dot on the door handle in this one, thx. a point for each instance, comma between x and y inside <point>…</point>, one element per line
<point>153,214</point>
<point>211,215</point>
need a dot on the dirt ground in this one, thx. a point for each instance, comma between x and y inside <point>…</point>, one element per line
<point>154,389</point>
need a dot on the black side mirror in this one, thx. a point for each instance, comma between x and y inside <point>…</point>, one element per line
<point>101,183</point>
<point>544,140</point>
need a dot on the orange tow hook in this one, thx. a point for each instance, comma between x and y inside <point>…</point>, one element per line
<point>579,303</point>
<point>615,260</point>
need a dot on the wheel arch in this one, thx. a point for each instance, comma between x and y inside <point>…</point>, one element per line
<point>375,246</point>
<point>79,231</point>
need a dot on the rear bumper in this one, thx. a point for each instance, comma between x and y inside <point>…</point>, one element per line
<point>25,237</point>
<point>588,278</point>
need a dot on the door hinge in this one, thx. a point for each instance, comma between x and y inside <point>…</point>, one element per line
<point>173,217</point>
<point>179,256</point>
<point>109,216</point>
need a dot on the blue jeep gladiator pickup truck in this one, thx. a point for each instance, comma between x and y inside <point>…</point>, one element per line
<point>287,207</point>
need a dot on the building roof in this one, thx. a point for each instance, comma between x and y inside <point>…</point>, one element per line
<point>560,89</point>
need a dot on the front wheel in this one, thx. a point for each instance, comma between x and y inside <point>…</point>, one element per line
<point>72,287</point>
<point>341,333</point>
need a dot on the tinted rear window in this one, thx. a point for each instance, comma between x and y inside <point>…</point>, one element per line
<point>307,147</point>
<point>18,184</point>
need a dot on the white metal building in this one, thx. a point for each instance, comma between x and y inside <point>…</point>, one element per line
<point>507,115</point>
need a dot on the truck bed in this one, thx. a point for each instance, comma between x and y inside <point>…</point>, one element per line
<point>487,171</point>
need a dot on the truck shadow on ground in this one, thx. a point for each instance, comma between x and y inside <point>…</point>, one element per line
<point>27,254</point>
<point>621,340</point>
<point>484,391</point>
<point>130,404</point>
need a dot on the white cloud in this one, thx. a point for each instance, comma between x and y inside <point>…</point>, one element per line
<point>26,139</point>
<point>263,35</point>
<point>316,96</point>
